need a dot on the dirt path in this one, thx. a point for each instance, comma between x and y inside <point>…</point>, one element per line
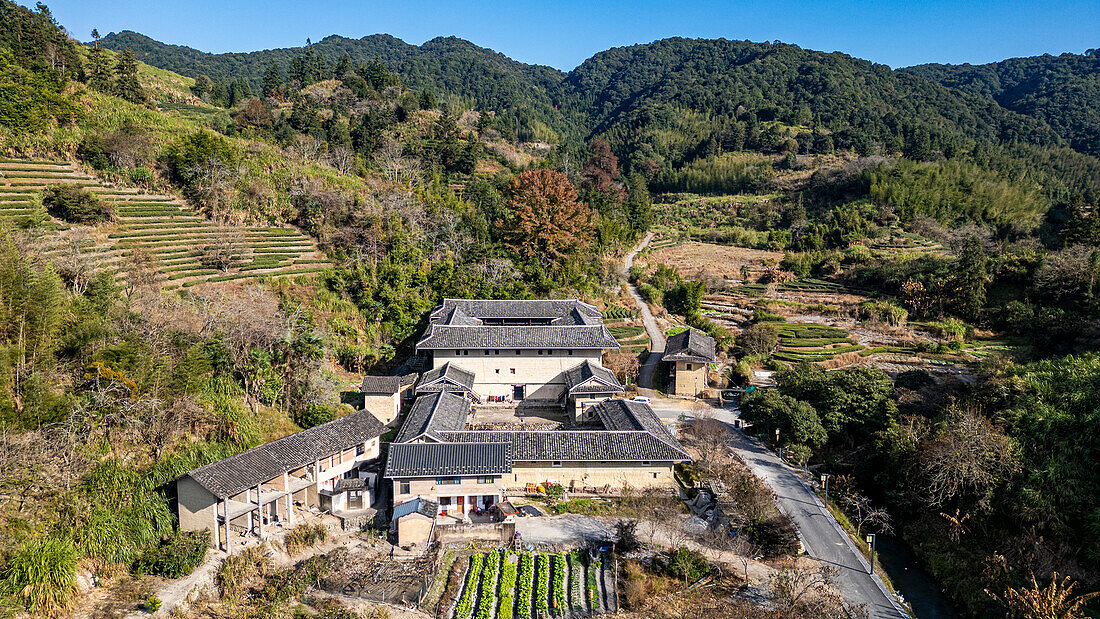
<point>656,336</point>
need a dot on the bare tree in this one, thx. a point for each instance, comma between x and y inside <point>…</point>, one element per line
<point>306,148</point>
<point>864,513</point>
<point>341,158</point>
<point>398,168</point>
<point>711,438</point>
<point>803,592</point>
<point>213,187</point>
<point>968,457</point>
<point>624,365</point>
<point>226,249</point>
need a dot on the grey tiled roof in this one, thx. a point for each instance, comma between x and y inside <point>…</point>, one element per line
<point>447,377</point>
<point>418,505</point>
<point>517,337</point>
<point>386,384</point>
<point>589,377</point>
<point>260,464</point>
<point>455,316</point>
<point>514,308</point>
<point>577,317</point>
<point>690,345</point>
<point>448,459</point>
<point>627,415</point>
<point>434,413</point>
<point>577,445</point>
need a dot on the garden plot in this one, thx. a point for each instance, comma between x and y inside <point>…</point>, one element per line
<point>183,248</point>
<point>533,585</point>
<point>813,342</point>
<point>625,327</point>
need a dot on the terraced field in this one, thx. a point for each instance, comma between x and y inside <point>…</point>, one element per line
<point>183,248</point>
<point>813,342</point>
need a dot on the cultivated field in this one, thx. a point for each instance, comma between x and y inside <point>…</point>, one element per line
<point>506,585</point>
<point>155,234</point>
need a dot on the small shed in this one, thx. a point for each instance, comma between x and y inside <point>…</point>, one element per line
<point>414,520</point>
<point>504,509</point>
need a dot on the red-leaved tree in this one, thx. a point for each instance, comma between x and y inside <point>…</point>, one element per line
<point>546,220</point>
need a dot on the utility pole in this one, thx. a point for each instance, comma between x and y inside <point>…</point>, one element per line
<point>778,449</point>
<point>871,541</point>
<point>825,478</point>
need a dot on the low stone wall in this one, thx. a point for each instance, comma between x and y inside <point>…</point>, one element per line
<point>494,532</point>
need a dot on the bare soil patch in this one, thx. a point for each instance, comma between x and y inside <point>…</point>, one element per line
<point>706,261</point>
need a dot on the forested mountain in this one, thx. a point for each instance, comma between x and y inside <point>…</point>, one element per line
<point>637,94</point>
<point>1062,91</point>
<point>477,77</point>
<point>673,100</point>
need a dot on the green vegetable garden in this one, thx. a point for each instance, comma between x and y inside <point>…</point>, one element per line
<point>533,585</point>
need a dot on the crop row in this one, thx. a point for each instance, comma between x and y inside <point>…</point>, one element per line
<point>29,162</point>
<point>526,573</point>
<point>576,581</point>
<point>542,587</point>
<point>473,577</point>
<point>813,342</point>
<point>506,600</point>
<point>485,599</point>
<point>590,582</point>
<point>558,589</point>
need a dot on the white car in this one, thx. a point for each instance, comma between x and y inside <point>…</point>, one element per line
<point>641,398</point>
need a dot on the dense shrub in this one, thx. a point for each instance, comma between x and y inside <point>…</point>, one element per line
<point>42,574</point>
<point>76,205</point>
<point>687,564</point>
<point>176,556</point>
<point>303,536</point>
<point>776,536</point>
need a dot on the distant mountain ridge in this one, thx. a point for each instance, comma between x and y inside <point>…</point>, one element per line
<point>673,100</point>
<point>1062,91</point>
<point>446,65</point>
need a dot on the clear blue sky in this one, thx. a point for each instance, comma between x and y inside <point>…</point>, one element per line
<point>564,33</point>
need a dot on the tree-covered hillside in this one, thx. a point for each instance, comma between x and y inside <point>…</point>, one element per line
<point>661,98</point>
<point>1062,91</point>
<point>476,77</point>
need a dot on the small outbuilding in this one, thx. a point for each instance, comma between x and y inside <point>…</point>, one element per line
<point>689,355</point>
<point>382,395</point>
<point>414,520</point>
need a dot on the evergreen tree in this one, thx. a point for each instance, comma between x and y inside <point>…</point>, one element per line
<point>343,66</point>
<point>98,73</point>
<point>970,278</point>
<point>639,207</point>
<point>127,85</point>
<point>273,80</point>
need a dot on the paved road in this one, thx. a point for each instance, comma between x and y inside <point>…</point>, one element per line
<point>818,531</point>
<point>656,336</point>
<point>821,536</point>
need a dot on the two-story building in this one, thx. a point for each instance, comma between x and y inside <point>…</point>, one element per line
<point>517,349</point>
<point>257,491</point>
<point>434,456</point>
<point>689,355</point>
